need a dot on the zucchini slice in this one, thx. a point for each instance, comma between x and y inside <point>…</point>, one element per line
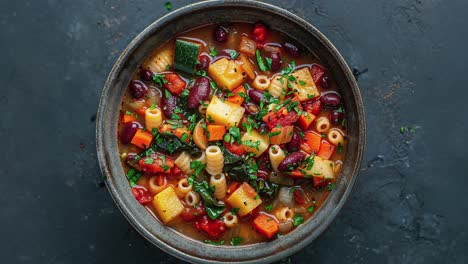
<point>186,56</point>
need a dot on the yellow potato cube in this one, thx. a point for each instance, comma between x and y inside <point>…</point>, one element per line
<point>167,205</point>
<point>321,167</point>
<point>245,198</point>
<point>226,73</point>
<point>224,113</point>
<point>255,142</point>
<point>304,85</point>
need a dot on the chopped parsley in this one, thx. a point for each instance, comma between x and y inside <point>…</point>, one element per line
<point>269,207</point>
<point>201,73</point>
<point>250,143</point>
<point>149,161</point>
<point>213,52</point>
<point>166,93</point>
<point>331,185</point>
<point>234,210</point>
<point>168,6</point>
<point>233,135</point>
<point>133,176</point>
<point>298,220</point>
<point>339,148</point>
<point>311,209</point>
<point>302,83</point>
<point>272,134</point>
<point>260,62</point>
<point>159,79</point>
<point>234,54</point>
<point>214,243</point>
<point>235,241</point>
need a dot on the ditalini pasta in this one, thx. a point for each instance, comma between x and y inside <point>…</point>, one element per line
<point>232,136</point>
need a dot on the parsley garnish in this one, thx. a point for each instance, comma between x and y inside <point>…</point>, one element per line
<point>233,135</point>
<point>260,62</point>
<point>339,148</point>
<point>272,134</point>
<point>213,52</point>
<point>201,73</point>
<point>235,241</point>
<point>269,207</point>
<point>133,176</point>
<point>311,209</point>
<point>168,6</point>
<point>214,243</point>
<point>298,220</point>
<point>234,210</point>
<point>302,83</point>
<point>159,79</point>
<point>330,186</point>
<point>149,161</point>
<point>234,54</point>
<point>250,143</point>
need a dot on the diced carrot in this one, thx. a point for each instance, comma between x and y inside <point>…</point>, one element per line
<point>312,141</point>
<point>142,139</point>
<point>174,84</point>
<point>179,131</point>
<point>326,150</point>
<point>126,118</point>
<point>296,173</point>
<point>266,225</point>
<point>237,98</point>
<point>305,120</point>
<point>141,111</point>
<point>215,132</point>
<point>284,136</point>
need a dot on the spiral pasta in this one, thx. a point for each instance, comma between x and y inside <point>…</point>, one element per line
<point>261,82</point>
<point>153,118</point>
<point>183,163</point>
<point>276,156</point>
<point>214,160</point>
<point>183,187</point>
<point>284,214</point>
<point>230,220</point>
<point>160,61</point>
<point>278,87</point>
<point>154,186</point>
<point>335,136</point>
<point>192,198</point>
<point>322,124</point>
<point>219,182</point>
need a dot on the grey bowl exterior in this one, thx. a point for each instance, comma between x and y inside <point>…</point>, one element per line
<point>182,20</point>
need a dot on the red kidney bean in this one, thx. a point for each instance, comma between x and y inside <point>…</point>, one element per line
<point>336,117</point>
<point>128,131</point>
<point>221,34</point>
<point>146,75</point>
<point>138,89</point>
<point>295,142</point>
<point>168,104</point>
<point>130,157</point>
<point>200,92</point>
<point>255,95</point>
<point>325,83</point>
<point>331,99</point>
<point>251,108</point>
<point>291,49</point>
<point>204,62</point>
<point>293,160</point>
<point>275,61</point>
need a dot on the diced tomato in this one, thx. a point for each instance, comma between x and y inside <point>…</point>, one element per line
<point>314,106</point>
<point>259,32</point>
<point>282,117</point>
<point>318,72</point>
<point>127,118</point>
<point>326,150</point>
<point>313,141</point>
<point>266,225</point>
<point>262,174</point>
<point>174,84</point>
<point>192,213</point>
<point>238,97</point>
<point>232,188</point>
<point>141,111</point>
<point>296,173</point>
<point>175,171</point>
<point>155,164</point>
<point>234,148</point>
<point>213,228</point>
<point>320,181</point>
<point>142,195</point>
<point>298,197</point>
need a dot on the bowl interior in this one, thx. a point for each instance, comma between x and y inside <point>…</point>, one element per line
<point>224,12</point>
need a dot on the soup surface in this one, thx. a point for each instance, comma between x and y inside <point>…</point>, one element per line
<point>232,134</point>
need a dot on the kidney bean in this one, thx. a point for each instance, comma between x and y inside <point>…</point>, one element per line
<point>295,142</point>
<point>168,104</point>
<point>336,117</point>
<point>331,99</point>
<point>204,62</point>
<point>251,108</point>
<point>291,49</point>
<point>200,92</point>
<point>255,95</point>
<point>221,34</point>
<point>128,131</point>
<point>325,83</point>
<point>293,160</point>
<point>138,89</point>
<point>275,61</point>
<point>146,75</point>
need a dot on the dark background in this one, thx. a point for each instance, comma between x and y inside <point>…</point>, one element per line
<point>408,205</point>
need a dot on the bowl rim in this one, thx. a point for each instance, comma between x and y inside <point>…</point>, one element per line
<point>148,31</point>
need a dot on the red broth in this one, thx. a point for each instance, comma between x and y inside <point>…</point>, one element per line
<point>232,134</point>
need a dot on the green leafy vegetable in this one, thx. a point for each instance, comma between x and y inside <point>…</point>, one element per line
<point>339,148</point>
<point>260,62</point>
<point>234,54</point>
<point>269,207</point>
<point>206,241</point>
<point>213,52</point>
<point>235,241</point>
<point>298,220</point>
<point>133,176</point>
<point>212,207</point>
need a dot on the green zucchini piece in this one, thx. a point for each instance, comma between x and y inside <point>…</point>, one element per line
<point>186,56</point>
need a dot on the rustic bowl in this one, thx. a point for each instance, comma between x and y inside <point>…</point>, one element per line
<point>162,30</point>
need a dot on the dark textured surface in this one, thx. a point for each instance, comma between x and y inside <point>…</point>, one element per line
<point>408,205</point>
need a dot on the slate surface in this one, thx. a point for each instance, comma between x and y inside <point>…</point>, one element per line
<point>408,205</point>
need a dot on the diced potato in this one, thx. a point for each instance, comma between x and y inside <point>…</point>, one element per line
<point>167,205</point>
<point>285,135</point>
<point>245,198</point>
<point>304,85</point>
<point>226,73</point>
<point>255,142</point>
<point>278,87</point>
<point>248,46</point>
<point>224,113</point>
<point>321,167</point>
<point>247,66</point>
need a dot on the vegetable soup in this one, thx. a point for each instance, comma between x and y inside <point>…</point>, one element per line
<point>232,134</point>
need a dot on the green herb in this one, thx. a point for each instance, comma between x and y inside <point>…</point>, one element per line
<point>309,161</point>
<point>213,52</point>
<point>268,63</point>
<point>149,161</point>
<point>311,209</point>
<point>289,69</point>
<point>206,241</point>
<point>175,116</point>
<point>272,134</point>
<point>302,83</point>
<point>166,93</point>
<point>133,176</point>
<point>250,143</point>
<point>256,197</point>
<point>234,54</point>
<point>402,129</point>
<point>201,73</point>
<point>129,113</point>
<point>269,207</point>
<point>298,220</point>
<point>301,133</point>
<point>339,148</point>
<point>324,135</point>
<point>197,166</point>
<point>210,120</point>
<point>168,6</point>
<point>233,135</point>
<point>212,207</point>
<point>234,210</point>
<point>159,79</point>
<point>260,62</point>
<point>245,96</point>
<point>235,241</point>
<point>310,96</point>
<point>184,137</point>
<point>330,186</point>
